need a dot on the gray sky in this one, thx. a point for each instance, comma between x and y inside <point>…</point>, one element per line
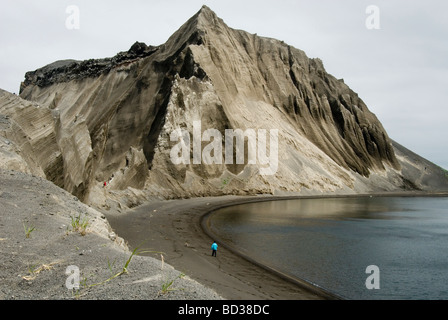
<point>399,70</point>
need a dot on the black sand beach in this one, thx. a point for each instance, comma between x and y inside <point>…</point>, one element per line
<point>177,229</point>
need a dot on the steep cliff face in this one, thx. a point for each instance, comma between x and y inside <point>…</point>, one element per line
<point>119,120</point>
<point>28,141</point>
<point>247,69</point>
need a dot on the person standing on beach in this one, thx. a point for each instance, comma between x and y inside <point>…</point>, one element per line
<point>214,249</point>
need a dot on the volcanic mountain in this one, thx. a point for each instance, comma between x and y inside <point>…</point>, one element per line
<point>81,124</point>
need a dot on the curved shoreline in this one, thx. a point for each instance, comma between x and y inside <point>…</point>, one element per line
<point>179,229</point>
<point>302,283</point>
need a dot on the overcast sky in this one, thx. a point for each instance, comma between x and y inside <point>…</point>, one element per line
<point>399,70</point>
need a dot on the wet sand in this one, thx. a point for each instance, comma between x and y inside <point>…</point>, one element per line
<point>174,228</point>
<point>177,229</point>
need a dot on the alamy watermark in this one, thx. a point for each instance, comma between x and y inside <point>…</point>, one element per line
<point>373,19</point>
<point>212,153</point>
<point>373,280</point>
<point>72,22</point>
<point>73,280</point>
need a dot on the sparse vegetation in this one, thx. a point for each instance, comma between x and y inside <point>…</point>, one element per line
<point>28,230</point>
<point>110,266</point>
<point>124,270</point>
<point>167,285</point>
<point>225,182</point>
<point>34,270</point>
<point>80,224</point>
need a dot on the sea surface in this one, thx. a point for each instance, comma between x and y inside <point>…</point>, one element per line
<point>331,242</point>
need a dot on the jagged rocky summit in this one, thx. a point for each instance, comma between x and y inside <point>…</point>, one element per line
<point>83,123</point>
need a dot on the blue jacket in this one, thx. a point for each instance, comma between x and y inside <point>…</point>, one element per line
<point>214,246</point>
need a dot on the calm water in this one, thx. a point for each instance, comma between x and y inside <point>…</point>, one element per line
<point>331,242</point>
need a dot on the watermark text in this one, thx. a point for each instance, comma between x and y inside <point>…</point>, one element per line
<point>373,281</point>
<point>257,145</point>
<point>72,281</point>
<point>373,18</point>
<point>72,22</point>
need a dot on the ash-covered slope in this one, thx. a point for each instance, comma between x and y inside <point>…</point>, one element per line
<point>113,120</point>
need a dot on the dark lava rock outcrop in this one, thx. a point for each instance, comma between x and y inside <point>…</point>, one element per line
<point>68,70</point>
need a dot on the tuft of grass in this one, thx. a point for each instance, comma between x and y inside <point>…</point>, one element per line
<point>110,265</point>
<point>80,224</point>
<point>166,286</point>
<point>126,265</point>
<point>34,270</point>
<point>124,270</point>
<point>28,230</point>
<point>225,182</point>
